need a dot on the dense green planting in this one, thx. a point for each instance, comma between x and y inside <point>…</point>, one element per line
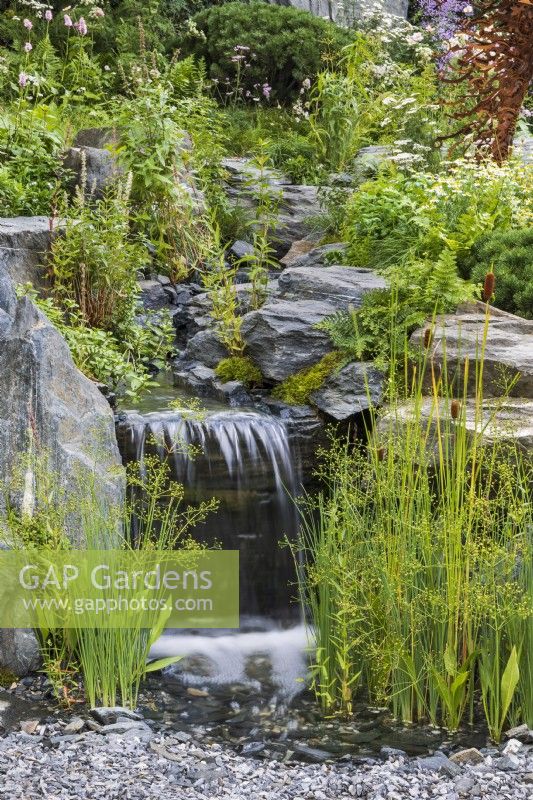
<point>255,51</point>
<point>419,574</point>
<point>510,255</point>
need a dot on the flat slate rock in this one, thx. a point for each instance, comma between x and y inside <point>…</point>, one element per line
<point>508,352</point>
<point>350,390</point>
<point>505,420</point>
<point>343,286</point>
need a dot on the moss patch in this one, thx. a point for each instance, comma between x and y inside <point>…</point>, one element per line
<point>296,389</point>
<point>7,678</point>
<point>239,368</point>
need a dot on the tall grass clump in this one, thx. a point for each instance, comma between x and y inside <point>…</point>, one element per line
<point>106,663</point>
<point>417,571</point>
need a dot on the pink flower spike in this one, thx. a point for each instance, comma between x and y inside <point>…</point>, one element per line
<point>48,15</point>
<point>28,47</point>
<point>81,27</point>
<point>28,24</point>
<point>68,21</point>
<point>23,79</point>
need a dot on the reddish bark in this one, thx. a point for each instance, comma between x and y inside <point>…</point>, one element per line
<point>494,64</point>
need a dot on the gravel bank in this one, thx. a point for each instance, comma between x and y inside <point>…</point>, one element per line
<point>142,765</point>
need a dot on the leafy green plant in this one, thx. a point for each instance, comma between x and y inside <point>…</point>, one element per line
<point>284,46</point>
<point>118,362</point>
<point>94,262</point>
<point>398,217</point>
<point>239,368</point>
<point>30,143</point>
<point>509,254</point>
<point>387,316</point>
<point>266,203</point>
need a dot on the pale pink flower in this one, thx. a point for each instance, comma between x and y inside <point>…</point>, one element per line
<point>81,27</point>
<point>28,24</point>
<point>23,79</point>
<point>97,12</point>
<point>28,47</point>
<point>48,15</point>
<point>68,21</point>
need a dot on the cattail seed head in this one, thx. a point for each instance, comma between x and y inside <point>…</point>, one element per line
<point>381,453</point>
<point>428,336</point>
<point>488,287</point>
<point>455,409</point>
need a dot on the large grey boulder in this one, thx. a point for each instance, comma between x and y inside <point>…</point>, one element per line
<point>509,419</point>
<point>101,168</point>
<point>24,242</point>
<point>350,390</point>
<point>281,337</point>
<point>19,651</point>
<point>205,346</point>
<point>506,343</point>
<point>97,148</point>
<point>47,401</point>
<point>297,204</point>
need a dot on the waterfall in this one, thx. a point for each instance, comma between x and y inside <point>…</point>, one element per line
<point>245,459</point>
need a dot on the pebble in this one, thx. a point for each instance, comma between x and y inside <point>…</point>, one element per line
<point>469,756</point>
<point>92,766</point>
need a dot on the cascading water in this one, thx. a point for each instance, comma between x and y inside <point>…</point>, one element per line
<point>245,460</point>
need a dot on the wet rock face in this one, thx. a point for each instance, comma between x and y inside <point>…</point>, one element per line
<point>508,351</point>
<point>24,242</point>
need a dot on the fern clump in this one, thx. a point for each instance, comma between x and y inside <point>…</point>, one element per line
<point>387,317</point>
<point>239,368</point>
<point>297,388</point>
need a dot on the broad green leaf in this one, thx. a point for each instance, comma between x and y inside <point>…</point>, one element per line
<point>161,663</point>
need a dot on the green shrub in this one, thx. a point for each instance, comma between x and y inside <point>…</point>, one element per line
<point>297,388</point>
<point>239,368</point>
<point>510,255</point>
<point>30,143</point>
<point>284,46</point>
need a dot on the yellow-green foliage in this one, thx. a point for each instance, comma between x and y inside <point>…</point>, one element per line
<point>7,678</point>
<point>239,368</point>
<point>296,389</point>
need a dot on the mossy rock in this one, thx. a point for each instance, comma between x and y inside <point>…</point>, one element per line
<point>296,389</point>
<point>239,368</point>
